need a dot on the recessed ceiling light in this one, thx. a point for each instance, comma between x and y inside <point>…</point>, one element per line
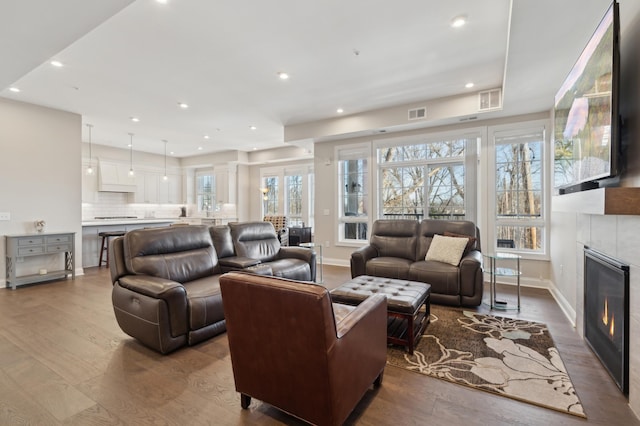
<point>14,89</point>
<point>253,127</point>
<point>206,136</point>
<point>199,148</point>
<point>56,63</point>
<point>459,21</point>
<point>183,105</point>
<point>339,110</point>
<point>283,76</point>
<point>135,119</point>
<point>163,1</point>
<point>171,153</point>
<point>254,148</point>
<point>469,85</point>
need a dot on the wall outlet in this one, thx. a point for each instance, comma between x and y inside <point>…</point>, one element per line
<point>5,216</point>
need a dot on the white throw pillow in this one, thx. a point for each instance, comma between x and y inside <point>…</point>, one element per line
<point>446,249</point>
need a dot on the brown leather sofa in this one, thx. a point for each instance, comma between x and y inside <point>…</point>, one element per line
<point>397,249</point>
<point>255,246</point>
<point>291,348</point>
<point>166,292</point>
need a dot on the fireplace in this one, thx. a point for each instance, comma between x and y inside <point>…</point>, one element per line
<point>606,313</point>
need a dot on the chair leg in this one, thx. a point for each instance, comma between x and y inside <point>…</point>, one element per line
<point>378,381</point>
<point>102,252</point>
<point>245,400</point>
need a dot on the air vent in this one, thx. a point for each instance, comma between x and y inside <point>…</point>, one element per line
<point>418,113</point>
<point>490,100</point>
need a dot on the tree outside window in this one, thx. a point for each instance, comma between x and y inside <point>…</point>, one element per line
<point>519,194</point>
<point>206,193</point>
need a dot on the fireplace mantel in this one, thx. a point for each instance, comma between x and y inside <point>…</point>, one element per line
<point>601,201</point>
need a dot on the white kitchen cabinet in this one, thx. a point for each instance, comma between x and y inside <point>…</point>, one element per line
<point>151,188</point>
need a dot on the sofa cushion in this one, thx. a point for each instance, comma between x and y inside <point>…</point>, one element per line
<point>294,269</point>
<point>444,278</point>
<point>221,235</point>
<point>178,253</point>
<point>257,240</point>
<point>471,240</point>
<point>389,267</point>
<point>447,249</point>
<point>395,238</point>
<point>204,302</point>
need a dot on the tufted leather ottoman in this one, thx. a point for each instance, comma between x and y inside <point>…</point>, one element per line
<point>404,299</point>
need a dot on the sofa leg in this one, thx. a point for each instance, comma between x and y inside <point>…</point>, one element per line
<point>378,381</point>
<point>245,400</point>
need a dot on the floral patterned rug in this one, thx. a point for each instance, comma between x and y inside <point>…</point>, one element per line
<point>510,357</point>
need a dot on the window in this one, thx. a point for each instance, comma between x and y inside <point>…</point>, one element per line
<point>293,199</point>
<point>519,189</point>
<point>353,190</point>
<point>289,191</point>
<point>206,191</point>
<point>270,199</point>
<point>428,179</point>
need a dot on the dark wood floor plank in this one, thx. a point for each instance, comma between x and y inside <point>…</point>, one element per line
<point>64,360</point>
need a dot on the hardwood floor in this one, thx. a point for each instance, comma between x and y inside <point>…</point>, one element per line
<point>64,360</point>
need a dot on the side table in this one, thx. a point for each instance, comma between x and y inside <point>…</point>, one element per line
<point>495,271</point>
<point>314,247</point>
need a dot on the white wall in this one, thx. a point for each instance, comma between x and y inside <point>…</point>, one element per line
<point>40,174</point>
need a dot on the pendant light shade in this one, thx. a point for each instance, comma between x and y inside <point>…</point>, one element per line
<point>131,173</point>
<point>165,177</point>
<point>90,168</point>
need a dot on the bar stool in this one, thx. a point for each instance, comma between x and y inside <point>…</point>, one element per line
<point>105,244</point>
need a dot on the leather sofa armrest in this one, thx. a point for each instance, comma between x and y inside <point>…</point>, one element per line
<point>171,292</point>
<point>365,308</point>
<point>359,260</point>
<point>301,253</point>
<point>470,270</point>
<point>238,262</point>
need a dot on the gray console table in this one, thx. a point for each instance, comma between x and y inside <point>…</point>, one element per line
<point>27,245</point>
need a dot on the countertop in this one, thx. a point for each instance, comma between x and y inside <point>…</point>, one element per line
<point>105,222</point>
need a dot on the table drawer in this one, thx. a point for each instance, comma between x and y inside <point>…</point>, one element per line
<point>30,241</point>
<point>26,251</point>
<point>59,239</point>
<point>57,248</point>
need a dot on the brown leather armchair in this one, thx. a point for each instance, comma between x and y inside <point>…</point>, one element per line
<point>288,349</point>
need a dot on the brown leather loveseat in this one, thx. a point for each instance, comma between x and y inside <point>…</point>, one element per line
<point>166,292</point>
<point>398,249</point>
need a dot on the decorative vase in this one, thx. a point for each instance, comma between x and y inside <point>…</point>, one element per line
<point>40,224</point>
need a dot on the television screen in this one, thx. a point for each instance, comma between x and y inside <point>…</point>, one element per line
<point>586,112</point>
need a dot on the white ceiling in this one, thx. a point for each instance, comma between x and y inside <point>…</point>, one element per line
<point>141,58</point>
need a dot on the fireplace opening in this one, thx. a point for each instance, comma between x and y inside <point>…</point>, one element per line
<point>606,313</point>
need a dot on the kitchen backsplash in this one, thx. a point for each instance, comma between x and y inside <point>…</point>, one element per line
<point>117,204</point>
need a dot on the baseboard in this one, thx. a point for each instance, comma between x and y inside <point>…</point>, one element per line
<point>563,303</point>
<point>336,262</point>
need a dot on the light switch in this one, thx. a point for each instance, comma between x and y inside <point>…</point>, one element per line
<point>325,212</point>
<point>5,216</point>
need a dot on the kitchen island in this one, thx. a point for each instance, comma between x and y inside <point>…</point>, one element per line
<point>92,227</point>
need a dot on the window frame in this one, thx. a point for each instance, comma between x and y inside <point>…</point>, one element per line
<point>520,128</point>
<point>213,193</point>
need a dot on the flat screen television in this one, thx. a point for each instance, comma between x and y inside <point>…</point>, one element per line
<point>587,126</point>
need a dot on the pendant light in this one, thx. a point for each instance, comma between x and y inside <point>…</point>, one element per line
<point>165,177</point>
<point>89,169</point>
<point>131,173</point>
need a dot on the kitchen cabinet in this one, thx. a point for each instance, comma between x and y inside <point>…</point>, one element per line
<point>151,188</point>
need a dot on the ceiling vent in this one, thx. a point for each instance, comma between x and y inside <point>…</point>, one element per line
<point>418,113</point>
<point>490,100</point>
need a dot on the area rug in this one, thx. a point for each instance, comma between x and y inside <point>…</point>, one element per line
<point>509,357</point>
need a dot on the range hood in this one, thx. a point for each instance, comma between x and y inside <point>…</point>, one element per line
<point>114,177</point>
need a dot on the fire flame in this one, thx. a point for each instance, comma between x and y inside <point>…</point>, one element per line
<point>605,318</point>
<point>612,327</point>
